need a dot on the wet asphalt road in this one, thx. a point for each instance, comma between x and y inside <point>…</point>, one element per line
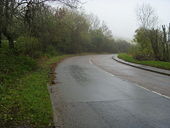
<point>97,92</point>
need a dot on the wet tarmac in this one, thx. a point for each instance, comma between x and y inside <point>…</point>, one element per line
<point>97,92</point>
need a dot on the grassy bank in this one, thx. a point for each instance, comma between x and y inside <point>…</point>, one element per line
<point>24,97</point>
<point>158,64</point>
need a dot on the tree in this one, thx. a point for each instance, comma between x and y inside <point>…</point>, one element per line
<point>144,37</point>
<point>94,22</point>
<point>13,10</point>
<point>7,8</point>
<point>1,22</point>
<point>37,27</point>
<point>146,16</point>
<point>166,50</point>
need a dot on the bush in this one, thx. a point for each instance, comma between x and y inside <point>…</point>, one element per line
<point>26,103</point>
<point>12,66</point>
<point>140,54</point>
<point>29,46</point>
<point>51,51</point>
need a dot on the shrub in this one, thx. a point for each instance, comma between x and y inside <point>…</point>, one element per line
<point>28,46</point>
<point>140,53</point>
<point>12,66</point>
<point>51,51</point>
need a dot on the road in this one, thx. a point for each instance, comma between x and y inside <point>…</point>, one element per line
<point>95,91</point>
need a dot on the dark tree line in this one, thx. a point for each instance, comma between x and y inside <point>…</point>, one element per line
<point>33,26</point>
<point>13,11</point>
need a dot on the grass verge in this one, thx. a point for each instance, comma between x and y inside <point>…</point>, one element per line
<point>24,97</point>
<point>158,64</point>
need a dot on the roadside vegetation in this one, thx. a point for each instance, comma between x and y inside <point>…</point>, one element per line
<point>151,44</point>
<point>24,97</point>
<point>34,35</point>
<point>158,64</point>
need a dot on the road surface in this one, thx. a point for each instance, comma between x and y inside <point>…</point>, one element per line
<point>95,91</point>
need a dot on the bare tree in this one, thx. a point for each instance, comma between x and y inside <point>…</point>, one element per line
<point>104,28</point>
<point>146,16</point>
<point>94,22</point>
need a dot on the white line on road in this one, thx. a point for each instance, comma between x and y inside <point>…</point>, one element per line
<point>161,95</point>
<point>153,91</point>
<point>91,62</point>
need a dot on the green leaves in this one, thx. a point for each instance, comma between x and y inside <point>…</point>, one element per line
<point>12,66</point>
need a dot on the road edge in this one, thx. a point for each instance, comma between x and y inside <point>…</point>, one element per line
<point>143,67</point>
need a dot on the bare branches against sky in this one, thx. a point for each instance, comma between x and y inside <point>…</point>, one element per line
<point>120,15</point>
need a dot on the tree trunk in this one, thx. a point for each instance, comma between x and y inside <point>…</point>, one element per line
<point>164,42</point>
<point>11,43</point>
<point>0,40</point>
<point>0,44</point>
<point>10,39</point>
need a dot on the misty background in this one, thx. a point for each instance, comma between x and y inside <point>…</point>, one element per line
<point>120,15</point>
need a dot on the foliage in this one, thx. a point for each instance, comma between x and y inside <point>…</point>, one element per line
<point>158,64</point>
<point>12,66</point>
<point>69,31</point>
<point>28,46</point>
<point>151,43</point>
<point>25,100</point>
<point>25,12</point>
<point>30,29</point>
<point>144,44</point>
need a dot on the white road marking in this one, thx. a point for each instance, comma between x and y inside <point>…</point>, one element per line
<point>91,62</point>
<point>153,91</point>
<point>161,95</point>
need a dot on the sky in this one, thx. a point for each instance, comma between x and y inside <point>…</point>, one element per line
<point>120,15</point>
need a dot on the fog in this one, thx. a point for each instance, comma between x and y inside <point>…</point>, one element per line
<point>120,15</point>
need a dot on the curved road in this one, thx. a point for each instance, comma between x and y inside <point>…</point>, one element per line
<point>97,92</point>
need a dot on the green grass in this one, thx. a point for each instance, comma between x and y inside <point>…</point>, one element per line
<point>24,97</point>
<point>158,64</point>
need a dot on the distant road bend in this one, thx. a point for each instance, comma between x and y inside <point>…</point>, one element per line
<point>95,91</point>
